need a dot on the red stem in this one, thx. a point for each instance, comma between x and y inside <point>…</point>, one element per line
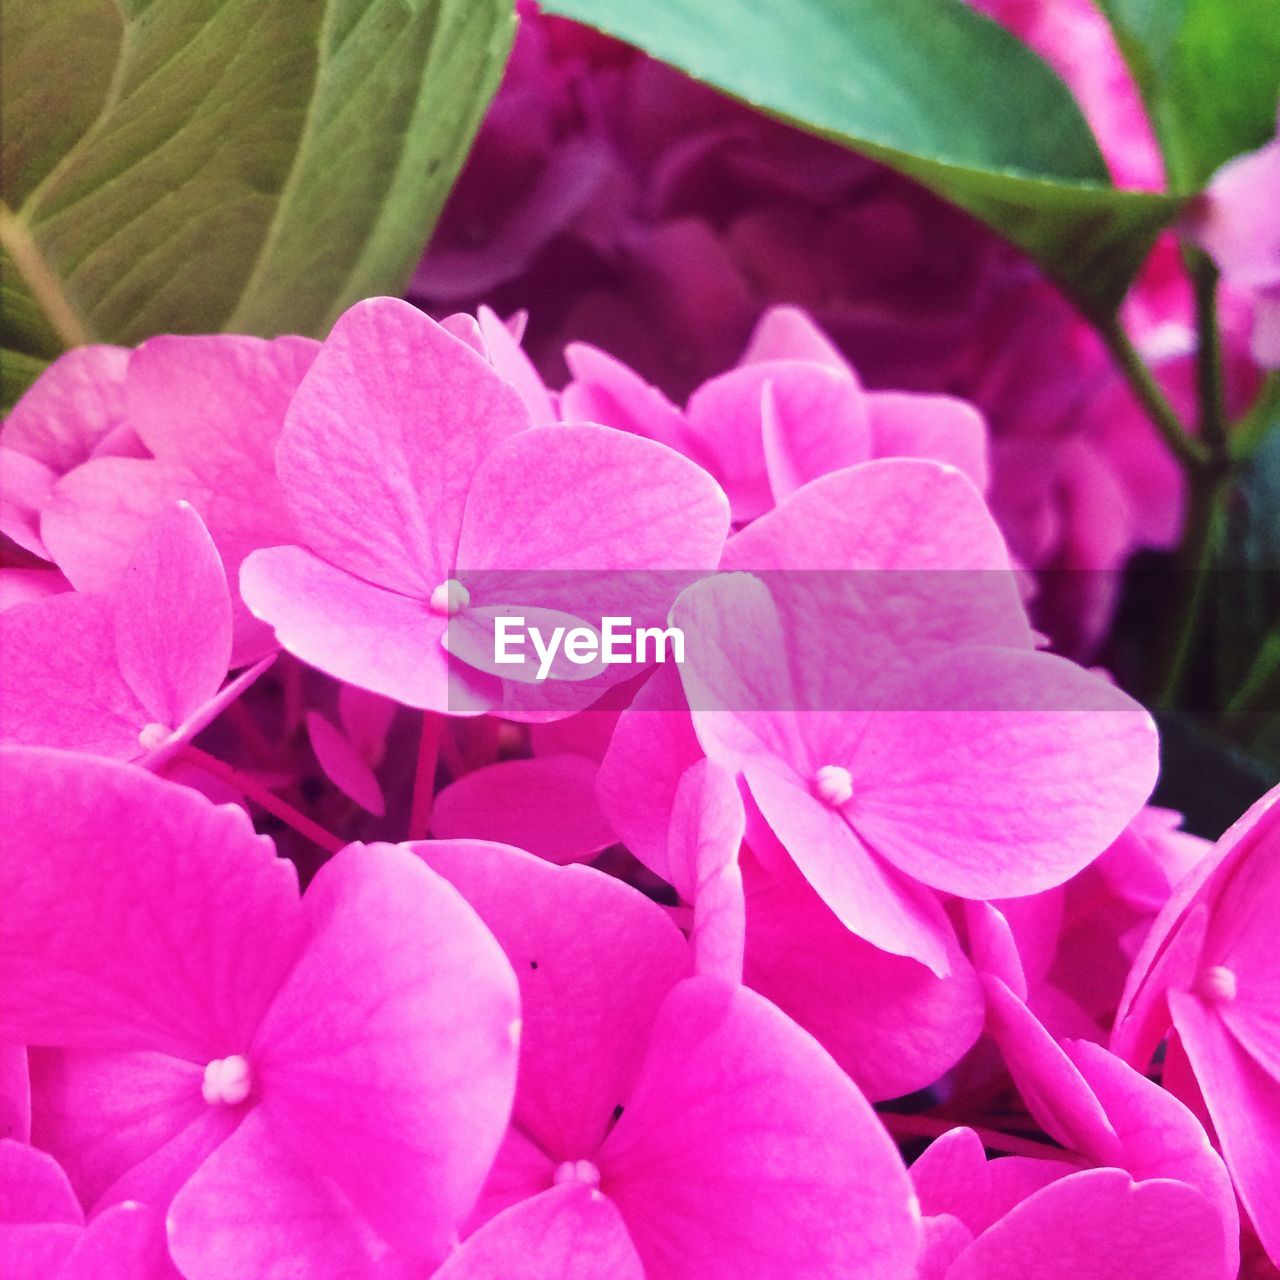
<point>253,790</point>
<point>424,778</point>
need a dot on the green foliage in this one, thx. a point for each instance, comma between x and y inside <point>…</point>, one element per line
<point>257,165</point>
<point>1209,71</point>
<point>931,88</point>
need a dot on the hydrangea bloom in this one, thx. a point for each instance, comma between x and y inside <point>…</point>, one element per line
<point>290,1081</point>
<point>1208,971</point>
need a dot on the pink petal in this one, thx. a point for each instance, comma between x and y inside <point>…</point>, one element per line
<point>869,897</point>
<point>36,1252</point>
<point>124,1125</point>
<point>707,826</point>
<point>1242,1100</point>
<point>789,333</point>
<point>1159,1137</point>
<point>906,425</point>
<point>126,1240</point>
<point>382,440</point>
<point>1057,1095</point>
<point>343,766</point>
<point>178,939</point>
<point>254,1208</point>
<point>96,516</point>
<point>507,357</point>
<point>15,1093</point>
<point>953,1176</point>
<point>173,618</point>
<point>1099,1225</point>
<point>60,684</point>
<point>813,421</point>
<point>604,390</point>
<point>77,401</point>
<point>569,1232</point>
<point>546,805</point>
<point>216,404</point>
<point>652,746</point>
<point>746,1153</point>
<point>370,1067</point>
<point>27,482</point>
<point>382,641</point>
<point>888,1021</point>
<point>33,1187</point>
<point>587,497</point>
<point>595,960</point>
<point>1017,770</point>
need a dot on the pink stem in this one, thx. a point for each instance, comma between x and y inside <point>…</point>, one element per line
<point>918,1126</point>
<point>253,790</point>
<point>424,778</point>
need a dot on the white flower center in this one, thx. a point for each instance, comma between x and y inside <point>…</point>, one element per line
<point>582,1171</point>
<point>449,598</point>
<point>153,735</point>
<point>834,785</point>
<point>227,1081</point>
<point>1216,984</point>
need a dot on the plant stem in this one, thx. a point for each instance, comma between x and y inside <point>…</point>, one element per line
<point>1198,553</point>
<point>253,790</point>
<point>424,777</point>
<point>1209,375</point>
<point>1190,452</point>
<point>920,1126</point>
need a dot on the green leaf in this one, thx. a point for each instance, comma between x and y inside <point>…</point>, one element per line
<point>195,165</point>
<point>17,372</point>
<point>931,88</point>
<point>1209,71</point>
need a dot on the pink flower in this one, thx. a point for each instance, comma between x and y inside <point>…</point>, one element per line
<point>73,411</point>
<point>43,1235</point>
<point>291,1080</point>
<point>793,410</point>
<point>665,1126</point>
<point>201,416</point>
<point>1235,223</point>
<point>1207,973</point>
<point>420,494</point>
<point>894,726</point>
<point>132,674</point>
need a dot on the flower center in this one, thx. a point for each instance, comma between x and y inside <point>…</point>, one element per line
<point>1216,984</point>
<point>582,1171</point>
<point>834,785</point>
<point>227,1081</point>
<point>449,598</point>
<point>153,735</point>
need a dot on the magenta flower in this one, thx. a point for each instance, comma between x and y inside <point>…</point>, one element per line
<point>893,1025</point>
<point>420,495</point>
<point>205,413</point>
<point>295,1082</point>
<point>892,731</point>
<point>793,410</point>
<point>1207,972</point>
<point>74,411</point>
<point>43,1235</point>
<point>1014,1216</point>
<point>132,674</point>
<point>665,1126</point>
<point>1235,223</point>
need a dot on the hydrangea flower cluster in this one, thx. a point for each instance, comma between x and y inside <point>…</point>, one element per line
<point>847,946</point>
<point>620,202</point>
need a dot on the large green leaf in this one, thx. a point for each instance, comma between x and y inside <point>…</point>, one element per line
<point>1209,71</point>
<point>931,88</point>
<point>189,165</point>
